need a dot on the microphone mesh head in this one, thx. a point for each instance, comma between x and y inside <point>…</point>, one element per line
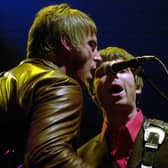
<point>109,70</point>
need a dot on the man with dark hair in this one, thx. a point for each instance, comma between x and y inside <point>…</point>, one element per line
<point>43,94</point>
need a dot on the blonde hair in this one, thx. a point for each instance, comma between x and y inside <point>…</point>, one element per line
<point>50,22</point>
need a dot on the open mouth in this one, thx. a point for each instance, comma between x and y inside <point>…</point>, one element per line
<point>116,89</point>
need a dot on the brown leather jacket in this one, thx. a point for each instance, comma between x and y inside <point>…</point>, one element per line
<point>47,104</point>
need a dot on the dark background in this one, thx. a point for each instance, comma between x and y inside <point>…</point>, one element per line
<point>139,26</point>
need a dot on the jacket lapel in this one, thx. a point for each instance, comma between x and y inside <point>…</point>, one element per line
<point>136,154</point>
<point>96,153</point>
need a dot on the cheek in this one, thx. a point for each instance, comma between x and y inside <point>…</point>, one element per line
<point>100,90</point>
<point>87,59</point>
<point>129,85</point>
<point>131,90</point>
<point>81,59</point>
<point>128,80</point>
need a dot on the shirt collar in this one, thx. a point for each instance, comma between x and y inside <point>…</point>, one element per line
<point>133,126</point>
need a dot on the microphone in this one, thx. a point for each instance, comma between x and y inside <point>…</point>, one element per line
<point>111,68</point>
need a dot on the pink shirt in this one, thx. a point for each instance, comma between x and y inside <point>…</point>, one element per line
<point>121,146</point>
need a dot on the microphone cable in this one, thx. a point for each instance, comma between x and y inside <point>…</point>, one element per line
<point>151,83</point>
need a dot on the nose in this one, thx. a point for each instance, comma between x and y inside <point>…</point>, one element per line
<point>97,58</point>
<point>114,76</point>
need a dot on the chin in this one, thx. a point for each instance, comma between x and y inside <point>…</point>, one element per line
<point>89,80</point>
<point>83,83</point>
<point>85,80</point>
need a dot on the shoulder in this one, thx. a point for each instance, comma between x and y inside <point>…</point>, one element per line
<point>90,146</point>
<point>155,129</point>
<point>156,140</point>
<point>42,79</point>
<point>94,152</point>
<point>93,147</point>
<point>39,71</point>
<point>156,123</point>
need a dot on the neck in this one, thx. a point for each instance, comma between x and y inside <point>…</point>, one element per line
<point>119,118</point>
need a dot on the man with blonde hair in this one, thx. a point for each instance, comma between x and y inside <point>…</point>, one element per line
<point>44,92</point>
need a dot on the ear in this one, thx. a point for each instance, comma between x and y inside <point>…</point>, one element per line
<point>138,91</point>
<point>139,84</point>
<point>65,42</point>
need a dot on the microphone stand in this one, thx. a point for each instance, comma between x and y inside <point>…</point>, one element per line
<point>151,83</point>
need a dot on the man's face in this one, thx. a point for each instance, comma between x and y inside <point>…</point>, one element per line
<point>86,59</point>
<point>117,91</point>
